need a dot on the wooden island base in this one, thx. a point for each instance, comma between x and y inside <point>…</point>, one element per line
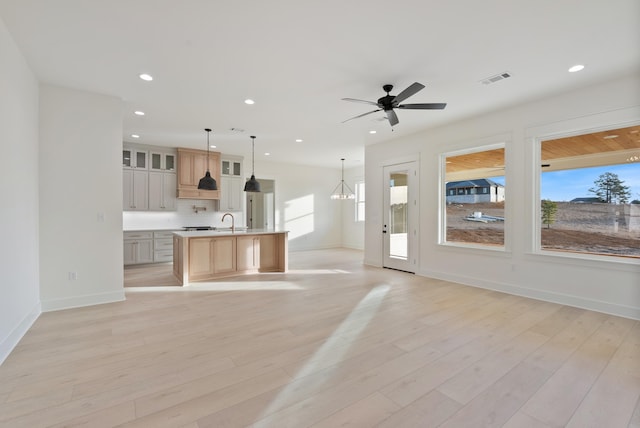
<point>209,255</point>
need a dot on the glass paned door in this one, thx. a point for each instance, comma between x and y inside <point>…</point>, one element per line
<point>400,217</point>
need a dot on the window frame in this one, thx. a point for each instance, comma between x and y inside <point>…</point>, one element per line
<point>536,208</point>
<point>486,145</point>
<point>359,201</point>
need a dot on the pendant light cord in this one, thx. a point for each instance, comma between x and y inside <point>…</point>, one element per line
<point>208,131</point>
<point>253,155</point>
<point>341,186</point>
<point>342,175</point>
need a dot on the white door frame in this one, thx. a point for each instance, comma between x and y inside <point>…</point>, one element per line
<point>410,263</point>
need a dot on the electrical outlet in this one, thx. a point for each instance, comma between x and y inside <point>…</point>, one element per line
<point>73,276</point>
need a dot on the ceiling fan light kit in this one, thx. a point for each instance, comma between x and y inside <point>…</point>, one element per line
<point>390,102</point>
<point>207,182</point>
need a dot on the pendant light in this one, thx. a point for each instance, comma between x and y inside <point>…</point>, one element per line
<point>252,185</point>
<point>207,182</point>
<point>341,186</point>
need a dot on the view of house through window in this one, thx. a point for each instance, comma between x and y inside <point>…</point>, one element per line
<point>474,197</point>
<point>590,193</point>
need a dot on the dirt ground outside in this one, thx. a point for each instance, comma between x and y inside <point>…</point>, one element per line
<point>585,228</point>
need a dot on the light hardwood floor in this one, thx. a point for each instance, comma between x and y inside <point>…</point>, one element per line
<point>331,343</point>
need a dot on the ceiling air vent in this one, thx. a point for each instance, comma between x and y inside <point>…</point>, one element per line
<point>496,78</point>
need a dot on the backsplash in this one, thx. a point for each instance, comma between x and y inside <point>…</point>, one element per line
<point>185,215</point>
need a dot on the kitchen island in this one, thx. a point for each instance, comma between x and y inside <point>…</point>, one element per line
<point>206,255</point>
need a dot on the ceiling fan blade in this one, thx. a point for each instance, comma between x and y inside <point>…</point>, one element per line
<point>355,100</point>
<point>427,106</point>
<point>412,89</point>
<point>393,118</point>
<point>360,115</point>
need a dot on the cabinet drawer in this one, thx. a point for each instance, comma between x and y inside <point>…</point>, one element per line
<point>163,256</point>
<point>161,234</point>
<point>138,235</point>
<point>163,244</point>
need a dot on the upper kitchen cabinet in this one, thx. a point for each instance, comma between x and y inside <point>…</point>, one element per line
<point>161,161</point>
<point>231,184</point>
<point>135,190</point>
<point>149,178</point>
<point>232,167</point>
<point>162,191</point>
<point>192,165</point>
<point>135,158</point>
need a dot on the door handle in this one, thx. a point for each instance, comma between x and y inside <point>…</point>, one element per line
<point>385,229</point>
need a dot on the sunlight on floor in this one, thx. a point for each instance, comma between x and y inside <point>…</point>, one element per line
<point>334,348</point>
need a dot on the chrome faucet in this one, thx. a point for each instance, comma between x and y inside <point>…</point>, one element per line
<point>233,222</point>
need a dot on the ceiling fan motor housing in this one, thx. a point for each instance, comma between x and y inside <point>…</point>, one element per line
<point>386,102</point>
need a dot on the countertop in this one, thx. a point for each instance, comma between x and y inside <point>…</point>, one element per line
<point>206,233</point>
<point>152,230</point>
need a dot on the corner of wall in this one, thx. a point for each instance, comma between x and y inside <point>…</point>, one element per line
<point>11,341</point>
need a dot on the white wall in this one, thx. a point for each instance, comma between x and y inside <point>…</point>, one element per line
<point>19,288</point>
<point>183,216</point>
<point>80,198</point>
<point>303,204</point>
<point>606,286</point>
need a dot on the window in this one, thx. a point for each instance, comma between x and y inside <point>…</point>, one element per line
<point>590,193</point>
<point>474,202</point>
<point>359,201</point>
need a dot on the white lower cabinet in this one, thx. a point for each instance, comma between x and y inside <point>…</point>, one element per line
<point>162,246</point>
<point>148,246</point>
<point>138,247</point>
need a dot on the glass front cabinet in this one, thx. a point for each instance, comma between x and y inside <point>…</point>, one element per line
<point>163,161</point>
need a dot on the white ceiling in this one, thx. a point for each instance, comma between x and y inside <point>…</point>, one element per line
<point>297,59</point>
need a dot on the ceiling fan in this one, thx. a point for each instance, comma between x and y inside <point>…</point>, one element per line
<point>390,102</point>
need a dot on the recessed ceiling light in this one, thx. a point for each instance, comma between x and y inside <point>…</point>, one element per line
<point>372,132</point>
<point>146,77</point>
<point>298,140</point>
<point>267,154</point>
<point>609,137</point>
<point>576,67</point>
<point>213,147</point>
<point>135,136</point>
<point>138,113</point>
<point>249,101</point>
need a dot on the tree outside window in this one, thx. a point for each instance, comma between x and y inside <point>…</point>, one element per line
<point>591,179</point>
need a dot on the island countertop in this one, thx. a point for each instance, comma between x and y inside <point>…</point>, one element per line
<point>206,255</point>
<point>225,232</point>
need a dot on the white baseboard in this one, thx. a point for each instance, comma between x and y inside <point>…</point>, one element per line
<point>80,301</point>
<point>372,262</point>
<point>353,246</point>
<point>9,343</point>
<point>297,248</point>
<point>547,296</point>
